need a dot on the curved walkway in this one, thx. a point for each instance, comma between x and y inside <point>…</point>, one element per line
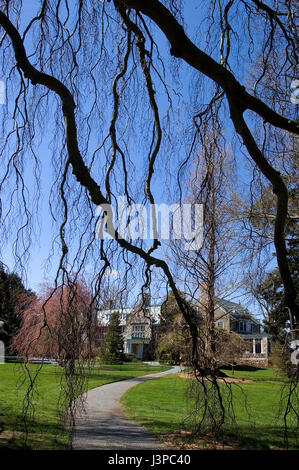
<point>104,426</point>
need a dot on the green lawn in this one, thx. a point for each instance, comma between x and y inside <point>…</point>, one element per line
<point>44,428</point>
<point>162,404</point>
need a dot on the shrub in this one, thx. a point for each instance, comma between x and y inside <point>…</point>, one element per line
<point>280,359</point>
<point>130,357</point>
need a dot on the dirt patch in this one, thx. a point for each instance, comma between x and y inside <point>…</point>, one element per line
<point>225,379</point>
<point>182,441</point>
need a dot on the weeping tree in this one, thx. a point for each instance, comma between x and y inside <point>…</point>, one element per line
<point>108,102</point>
<point>70,325</point>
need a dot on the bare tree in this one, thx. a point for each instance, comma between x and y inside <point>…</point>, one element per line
<point>211,271</point>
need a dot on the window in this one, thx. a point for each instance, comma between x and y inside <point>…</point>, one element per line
<point>220,324</point>
<point>138,331</point>
<point>242,326</point>
<point>258,346</point>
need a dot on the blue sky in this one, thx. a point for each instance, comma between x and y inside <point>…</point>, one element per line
<point>38,270</point>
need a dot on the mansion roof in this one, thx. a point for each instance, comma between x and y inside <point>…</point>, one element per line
<point>153,311</point>
<point>236,311</point>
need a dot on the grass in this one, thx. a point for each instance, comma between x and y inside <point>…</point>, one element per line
<point>45,430</point>
<point>161,405</point>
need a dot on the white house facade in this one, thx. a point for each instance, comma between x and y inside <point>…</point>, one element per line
<point>138,327</point>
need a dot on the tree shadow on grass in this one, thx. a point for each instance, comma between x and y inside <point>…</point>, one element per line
<point>266,437</point>
<point>243,437</point>
<point>35,436</point>
<point>33,433</point>
<point>246,368</point>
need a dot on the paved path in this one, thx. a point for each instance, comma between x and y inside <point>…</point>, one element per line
<point>104,426</point>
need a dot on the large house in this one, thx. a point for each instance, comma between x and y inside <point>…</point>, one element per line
<point>139,326</point>
<point>235,318</point>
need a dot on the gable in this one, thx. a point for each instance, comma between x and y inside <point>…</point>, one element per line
<point>138,316</point>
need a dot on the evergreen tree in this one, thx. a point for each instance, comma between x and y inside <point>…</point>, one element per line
<point>13,299</point>
<point>169,310</point>
<point>271,291</point>
<point>113,347</point>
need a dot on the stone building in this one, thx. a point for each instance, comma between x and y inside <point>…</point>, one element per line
<point>235,318</point>
<point>138,326</point>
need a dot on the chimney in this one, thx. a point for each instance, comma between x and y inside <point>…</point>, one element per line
<point>109,304</point>
<point>146,299</point>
